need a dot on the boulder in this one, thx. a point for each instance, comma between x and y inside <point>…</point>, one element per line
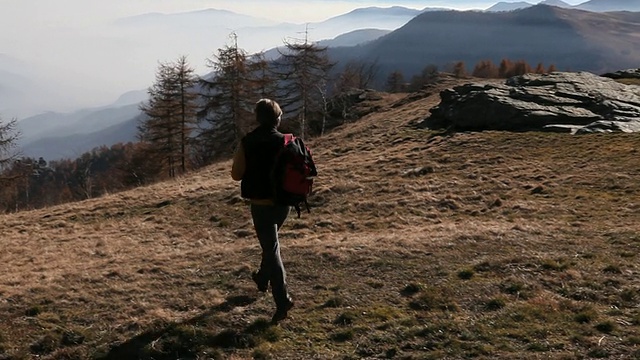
<point>624,74</point>
<point>561,101</point>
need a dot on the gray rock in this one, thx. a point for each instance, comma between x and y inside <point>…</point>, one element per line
<point>561,101</point>
<point>624,74</point>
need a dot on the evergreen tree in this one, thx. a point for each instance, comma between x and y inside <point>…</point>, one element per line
<point>428,75</point>
<point>263,82</point>
<point>228,100</point>
<point>395,82</point>
<point>170,115</point>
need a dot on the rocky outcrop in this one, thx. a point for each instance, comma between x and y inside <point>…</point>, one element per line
<point>624,74</point>
<point>561,101</point>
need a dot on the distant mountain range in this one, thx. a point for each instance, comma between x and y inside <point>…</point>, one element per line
<point>57,135</point>
<point>593,5</point>
<point>568,38</point>
<point>53,134</point>
<point>395,38</point>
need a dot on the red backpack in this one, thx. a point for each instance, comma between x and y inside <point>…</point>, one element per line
<point>293,173</point>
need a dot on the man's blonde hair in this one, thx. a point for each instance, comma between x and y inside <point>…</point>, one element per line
<point>268,112</point>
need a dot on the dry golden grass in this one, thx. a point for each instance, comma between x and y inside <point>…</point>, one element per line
<point>420,245</point>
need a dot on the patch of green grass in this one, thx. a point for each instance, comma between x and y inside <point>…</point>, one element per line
<point>495,304</point>
<point>606,327</point>
<point>375,284</point>
<point>346,318</point>
<point>412,289</point>
<point>585,316</point>
<point>629,295</point>
<point>599,353</point>
<point>485,266</point>
<point>383,313</point>
<point>72,337</point>
<point>633,340</point>
<point>232,339</point>
<point>45,344</point>
<point>516,287</point>
<point>554,264</point>
<point>465,274</point>
<point>334,302</point>
<point>612,269</point>
<point>538,347</point>
<point>342,335</point>
<point>262,329</point>
<point>33,311</point>
<point>261,354</point>
<point>180,341</point>
<point>433,299</point>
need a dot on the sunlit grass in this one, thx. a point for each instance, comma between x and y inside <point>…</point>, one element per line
<point>463,260</point>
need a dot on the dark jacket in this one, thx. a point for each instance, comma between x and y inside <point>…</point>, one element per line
<point>261,146</point>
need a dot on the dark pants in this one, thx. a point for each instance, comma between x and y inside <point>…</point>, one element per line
<point>267,220</point>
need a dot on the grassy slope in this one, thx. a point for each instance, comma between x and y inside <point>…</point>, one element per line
<point>420,245</point>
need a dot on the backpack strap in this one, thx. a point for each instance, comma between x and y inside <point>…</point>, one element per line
<point>299,208</point>
<point>288,138</point>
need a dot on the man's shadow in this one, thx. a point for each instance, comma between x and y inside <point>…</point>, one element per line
<point>138,346</point>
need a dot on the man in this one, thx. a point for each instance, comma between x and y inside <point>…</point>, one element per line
<point>252,164</point>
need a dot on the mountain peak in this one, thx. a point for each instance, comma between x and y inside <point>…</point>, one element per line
<point>509,6</point>
<point>389,11</point>
<point>558,3</point>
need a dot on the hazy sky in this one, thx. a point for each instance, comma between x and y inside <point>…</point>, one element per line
<point>83,12</point>
<point>64,46</point>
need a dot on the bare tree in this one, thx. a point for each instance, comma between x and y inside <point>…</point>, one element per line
<point>356,74</point>
<point>485,69</point>
<point>8,142</point>
<point>263,81</point>
<point>301,68</point>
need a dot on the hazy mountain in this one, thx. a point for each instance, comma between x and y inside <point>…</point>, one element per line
<point>154,37</point>
<point>51,133</point>
<point>568,38</point>
<point>610,5</point>
<point>359,19</point>
<point>131,97</point>
<point>354,38</point>
<point>558,3</point>
<point>380,18</point>
<point>72,146</point>
<point>202,20</point>
<point>13,89</point>
<point>593,5</point>
<point>16,87</point>
<point>509,6</point>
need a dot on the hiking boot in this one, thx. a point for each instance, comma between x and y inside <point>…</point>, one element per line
<point>282,312</point>
<point>262,287</point>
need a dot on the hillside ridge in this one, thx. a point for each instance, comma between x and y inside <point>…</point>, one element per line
<point>419,244</point>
